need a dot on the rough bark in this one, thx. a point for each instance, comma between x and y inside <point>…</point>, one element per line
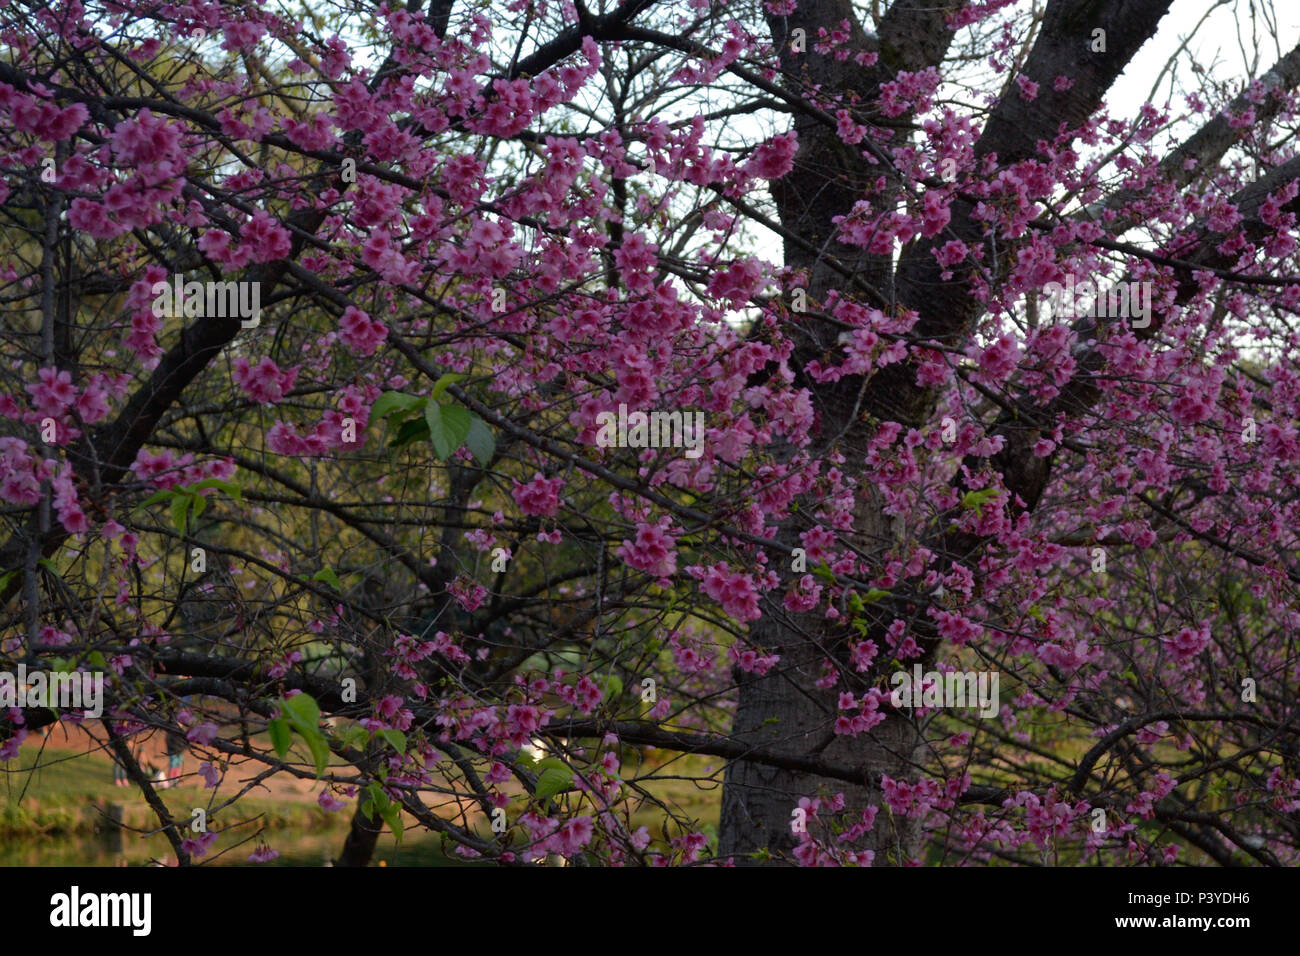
<point>361,840</point>
<point>784,712</point>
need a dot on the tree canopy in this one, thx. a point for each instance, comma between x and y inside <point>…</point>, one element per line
<point>525,418</point>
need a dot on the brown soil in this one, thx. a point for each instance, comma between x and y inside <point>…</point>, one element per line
<point>150,747</point>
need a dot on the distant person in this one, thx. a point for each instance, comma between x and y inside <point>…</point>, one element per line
<point>119,773</point>
<point>175,757</point>
<point>121,777</point>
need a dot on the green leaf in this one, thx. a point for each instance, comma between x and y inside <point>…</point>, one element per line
<point>375,799</point>
<point>303,714</point>
<point>180,505</point>
<point>823,571</point>
<point>874,595</point>
<point>229,488</point>
<point>390,402</point>
<point>440,386</point>
<point>392,815</point>
<point>9,576</point>
<point>355,736</point>
<point>280,736</point>
<point>198,504</point>
<point>301,708</point>
<point>48,565</point>
<point>553,781</point>
<point>320,750</point>
<point>482,443</point>
<point>448,427</point>
<point>156,497</point>
<point>978,499</point>
<point>329,577</point>
<point>395,737</point>
<point>415,429</point>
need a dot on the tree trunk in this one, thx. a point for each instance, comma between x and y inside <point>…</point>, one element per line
<point>362,838</point>
<point>785,711</point>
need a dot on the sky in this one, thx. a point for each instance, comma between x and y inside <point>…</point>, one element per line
<point>1226,42</point>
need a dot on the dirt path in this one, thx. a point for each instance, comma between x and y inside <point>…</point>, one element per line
<point>66,738</point>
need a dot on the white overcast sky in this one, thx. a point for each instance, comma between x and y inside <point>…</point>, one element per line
<point>1218,44</point>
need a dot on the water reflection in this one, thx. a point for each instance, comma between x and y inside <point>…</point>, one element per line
<point>298,846</point>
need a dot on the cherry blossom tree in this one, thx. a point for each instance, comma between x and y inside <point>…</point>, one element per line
<point>319,321</point>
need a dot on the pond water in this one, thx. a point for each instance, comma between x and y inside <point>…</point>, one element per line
<point>298,846</point>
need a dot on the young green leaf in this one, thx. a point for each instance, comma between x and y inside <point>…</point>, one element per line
<point>440,386</point>
<point>328,576</point>
<point>320,750</point>
<point>356,737</point>
<point>412,430</point>
<point>390,402</point>
<point>553,781</point>
<point>375,800</point>
<point>156,497</point>
<point>482,443</point>
<point>392,815</point>
<point>303,715</point>
<point>302,708</point>
<point>978,499</point>
<point>180,506</point>
<point>448,427</point>
<point>280,736</point>
<point>228,487</point>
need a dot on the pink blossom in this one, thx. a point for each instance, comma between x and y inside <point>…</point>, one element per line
<point>775,158</point>
<point>265,238</point>
<point>540,496</point>
<point>328,802</point>
<point>653,551</point>
<point>361,333</point>
<point>202,734</point>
